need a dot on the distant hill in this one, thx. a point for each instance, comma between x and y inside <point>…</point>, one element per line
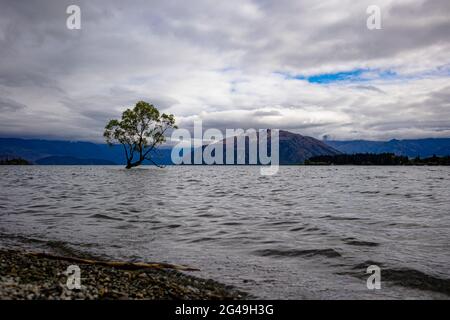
<point>68,152</point>
<point>294,148</point>
<point>409,148</point>
<point>66,160</point>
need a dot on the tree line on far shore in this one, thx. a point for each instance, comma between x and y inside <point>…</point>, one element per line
<point>15,161</point>
<point>382,159</point>
<point>363,159</point>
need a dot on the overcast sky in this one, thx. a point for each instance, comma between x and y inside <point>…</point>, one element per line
<point>307,66</point>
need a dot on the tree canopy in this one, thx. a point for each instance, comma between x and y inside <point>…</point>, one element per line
<point>140,131</point>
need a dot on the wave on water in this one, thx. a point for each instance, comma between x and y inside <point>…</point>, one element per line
<point>54,246</point>
<point>355,242</point>
<point>405,277</point>
<point>105,217</point>
<point>329,253</point>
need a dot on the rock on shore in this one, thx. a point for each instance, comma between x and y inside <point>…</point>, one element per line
<point>24,276</point>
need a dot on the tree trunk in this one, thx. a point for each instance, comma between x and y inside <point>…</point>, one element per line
<point>133,164</point>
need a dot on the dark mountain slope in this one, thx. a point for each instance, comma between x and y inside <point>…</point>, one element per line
<point>293,148</point>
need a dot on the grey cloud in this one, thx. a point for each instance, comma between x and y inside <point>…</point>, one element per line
<point>262,113</point>
<point>371,88</point>
<point>95,111</point>
<point>7,105</point>
<point>418,124</point>
<point>439,98</point>
<point>249,122</point>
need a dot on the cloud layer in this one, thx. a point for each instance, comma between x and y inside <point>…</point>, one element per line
<point>233,64</point>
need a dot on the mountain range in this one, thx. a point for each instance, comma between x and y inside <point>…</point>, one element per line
<point>57,152</point>
<point>294,149</point>
<point>410,148</point>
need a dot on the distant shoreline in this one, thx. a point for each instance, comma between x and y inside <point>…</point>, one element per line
<point>14,162</point>
<point>294,149</point>
<point>146,166</point>
<point>377,159</point>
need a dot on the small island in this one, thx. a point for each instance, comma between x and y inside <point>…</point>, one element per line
<point>14,162</point>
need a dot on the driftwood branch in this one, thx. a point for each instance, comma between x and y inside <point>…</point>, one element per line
<point>115,264</point>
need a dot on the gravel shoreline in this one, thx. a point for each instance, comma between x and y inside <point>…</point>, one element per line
<point>26,276</point>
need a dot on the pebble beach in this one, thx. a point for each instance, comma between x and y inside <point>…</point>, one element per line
<point>27,276</point>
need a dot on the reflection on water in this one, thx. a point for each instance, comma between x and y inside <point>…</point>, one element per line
<point>307,232</point>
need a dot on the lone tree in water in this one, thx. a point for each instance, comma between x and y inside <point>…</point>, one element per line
<point>140,131</point>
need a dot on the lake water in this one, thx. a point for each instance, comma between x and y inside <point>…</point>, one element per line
<point>305,233</point>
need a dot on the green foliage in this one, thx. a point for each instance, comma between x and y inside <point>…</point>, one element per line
<point>140,131</point>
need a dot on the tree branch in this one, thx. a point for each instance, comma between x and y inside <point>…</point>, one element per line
<point>151,160</point>
<point>154,143</point>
